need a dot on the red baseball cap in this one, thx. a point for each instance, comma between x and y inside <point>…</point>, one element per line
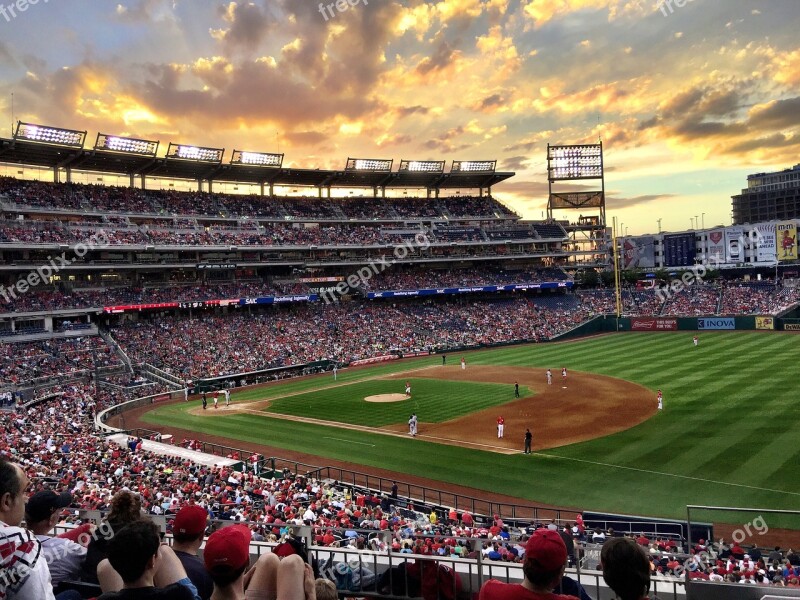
<point>227,550</point>
<point>545,550</point>
<point>190,520</point>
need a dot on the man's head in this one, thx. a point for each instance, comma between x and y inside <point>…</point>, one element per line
<point>134,550</point>
<point>190,524</point>
<point>626,568</point>
<point>227,554</point>
<point>545,558</point>
<point>13,483</point>
<point>42,508</point>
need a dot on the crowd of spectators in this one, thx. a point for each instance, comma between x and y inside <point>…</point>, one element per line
<point>111,199</point>
<point>26,361</point>
<point>757,299</point>
<point>212,345</point>
<point>48,299</point>
<point>693,301</point>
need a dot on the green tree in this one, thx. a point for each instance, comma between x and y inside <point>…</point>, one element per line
<point>607,277</point>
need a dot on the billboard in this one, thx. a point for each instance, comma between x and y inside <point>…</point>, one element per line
<point>638,252</point>
<point>765,323</point>
<point>764,241</point>
<point>715,246</point>
<point>653,324</point>
<point>716,323</point>
<point>787,240</point>
<point>734,244</point>
<point>680,250</point>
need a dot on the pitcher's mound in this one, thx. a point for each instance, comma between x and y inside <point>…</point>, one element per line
<point>386,398</point>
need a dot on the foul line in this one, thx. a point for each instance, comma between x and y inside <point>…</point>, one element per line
<point>601,464</point>
<point>348,441</point>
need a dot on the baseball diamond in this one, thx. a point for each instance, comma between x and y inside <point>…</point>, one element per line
<point>594,443</point>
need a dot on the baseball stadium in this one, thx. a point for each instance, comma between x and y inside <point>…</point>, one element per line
<point>294,338</point>
<point>316,375</point>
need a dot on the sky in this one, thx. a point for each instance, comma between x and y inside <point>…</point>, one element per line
<point>688,96</point>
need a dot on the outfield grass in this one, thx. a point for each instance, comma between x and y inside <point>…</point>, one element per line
<point>433,400</point>
<point>728,434</point>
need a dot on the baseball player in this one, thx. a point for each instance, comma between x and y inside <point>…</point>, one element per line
<point>564,374</point>
<point>695,341</point>
<point>408,389</point>
<point>414,424</point>
<point>516,389</point>
<point>549,377</point>
<point>205,402</point>
<point>501,423</point>
<point>463,363</point>
<point>660,398</point>
<point>216,399</point>
<point>528,440</point>
<point>335,371</point>
<point>227,398</point>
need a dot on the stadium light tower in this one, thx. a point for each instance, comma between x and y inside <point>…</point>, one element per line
<point>473,166</point>
<point>123,145</point>
<point>369,164</point>
<point>44,134</point>
<point>195,153</point>
<point>257,159</point>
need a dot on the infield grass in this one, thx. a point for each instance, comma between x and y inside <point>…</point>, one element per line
<point>434,401</point>
<point>729,434</point>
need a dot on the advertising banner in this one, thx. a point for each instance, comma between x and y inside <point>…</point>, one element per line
<point>716,323</point>
<point>715,246</point>
<point>765,323</point>
<point>734,244</point>
<point>638,252</point>
<point>791,327</point>
<point>653,324</point>
<point>680,250</point>
<point>763,236</point>
<point>787,241</point>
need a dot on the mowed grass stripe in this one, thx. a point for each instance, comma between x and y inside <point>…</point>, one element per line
<point>735,392</point>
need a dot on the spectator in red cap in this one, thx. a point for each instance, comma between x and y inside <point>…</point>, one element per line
<point>626,568</point>
<point>545,559</point>
<point>188,530</point>
<point>227,556</point>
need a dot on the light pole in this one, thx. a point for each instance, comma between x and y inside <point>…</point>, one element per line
<point>704,220</point>
<point>696,221</point>
<point>659,225</point>
<point>691,222</point>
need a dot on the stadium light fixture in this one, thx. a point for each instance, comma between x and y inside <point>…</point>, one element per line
<point>44,134</point>
<point>113,143</point>
<point>575,162</point>
<point>256,159</point>
<point>195,153</point>
<point>473,166</point>
<point>369,164</point>
<point>422,166</point>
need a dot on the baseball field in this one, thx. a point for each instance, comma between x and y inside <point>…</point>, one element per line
<point>728,434</point>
